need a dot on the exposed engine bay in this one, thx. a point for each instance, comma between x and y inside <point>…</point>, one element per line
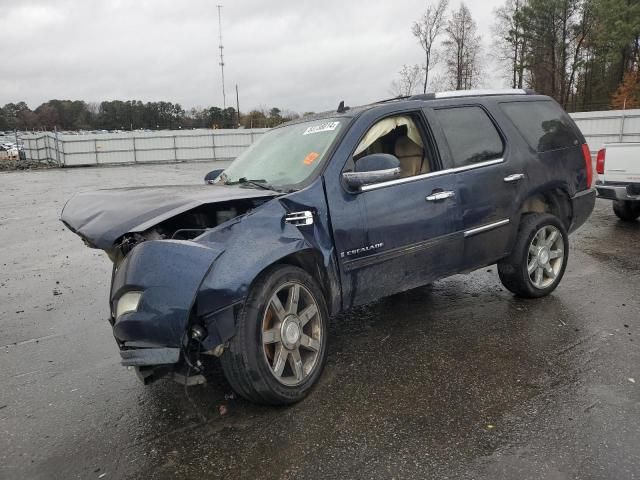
<point>186,226</point>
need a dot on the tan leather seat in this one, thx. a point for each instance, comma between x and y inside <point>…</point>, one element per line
<point>411,156</point>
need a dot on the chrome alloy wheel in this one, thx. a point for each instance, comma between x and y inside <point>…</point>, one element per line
<point>292,334</point>
<point>546,256</point>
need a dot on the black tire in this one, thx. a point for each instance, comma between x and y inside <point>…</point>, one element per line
<point>245,363</point>
<point>627,210</point>
<point>513,270</point>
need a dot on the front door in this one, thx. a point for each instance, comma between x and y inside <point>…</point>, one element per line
<point>397,235</point>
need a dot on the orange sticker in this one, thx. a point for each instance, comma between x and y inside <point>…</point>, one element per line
<point>309,159</point>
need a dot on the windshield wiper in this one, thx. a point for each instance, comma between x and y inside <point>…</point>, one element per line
<point>256,183</point>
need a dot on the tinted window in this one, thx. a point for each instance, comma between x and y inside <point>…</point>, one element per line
<point>471,135</point>
<point>543,124</point>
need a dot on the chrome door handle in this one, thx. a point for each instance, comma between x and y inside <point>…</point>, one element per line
<point>436,197</point>
<point>514,178</point>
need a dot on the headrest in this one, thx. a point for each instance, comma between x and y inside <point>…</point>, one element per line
<point>405,147</point>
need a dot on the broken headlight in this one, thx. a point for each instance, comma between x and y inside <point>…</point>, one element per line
<point>128,303</point>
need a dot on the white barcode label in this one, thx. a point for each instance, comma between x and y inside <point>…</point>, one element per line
<point>324,127</point>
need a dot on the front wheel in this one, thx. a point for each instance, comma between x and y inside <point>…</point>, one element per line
<point>280,347</point>
<point>626,210</point>
<point>539,258</point>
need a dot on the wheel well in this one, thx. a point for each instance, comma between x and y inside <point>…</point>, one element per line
<point>555,202</point>
<point>311,262</point>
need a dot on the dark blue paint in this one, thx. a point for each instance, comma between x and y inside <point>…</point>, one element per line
<point>169,274</point>
<point>261,238</point>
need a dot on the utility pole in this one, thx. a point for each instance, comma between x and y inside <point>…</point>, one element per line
<point>221,47</point>
<point>237,105</point>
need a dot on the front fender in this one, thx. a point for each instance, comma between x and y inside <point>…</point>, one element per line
<point>256,241</point>
<point>169,274</point>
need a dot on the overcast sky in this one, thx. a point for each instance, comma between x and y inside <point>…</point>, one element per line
<point>294,54</point>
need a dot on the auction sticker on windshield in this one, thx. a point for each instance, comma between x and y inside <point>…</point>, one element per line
<point>323,127</point>
<point>309,159</point>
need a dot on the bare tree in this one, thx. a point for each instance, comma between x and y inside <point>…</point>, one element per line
<point>427,30</point>
<point>510,41</point>
<point>462,50</point>
<point>405,85</point>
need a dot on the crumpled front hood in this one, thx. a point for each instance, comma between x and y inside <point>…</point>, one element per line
<point>101,217</point>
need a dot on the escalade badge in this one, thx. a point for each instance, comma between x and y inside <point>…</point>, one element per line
<point>357,251</point>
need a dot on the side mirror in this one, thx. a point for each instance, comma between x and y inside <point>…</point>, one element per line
<point>212,175</point>
<point>375,168</point>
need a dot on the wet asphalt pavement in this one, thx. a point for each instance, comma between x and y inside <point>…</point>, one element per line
<point>459,380</point>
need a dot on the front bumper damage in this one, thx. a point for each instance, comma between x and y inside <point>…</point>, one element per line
<point>168,273</point>
<point>174,302</point>
<point>139,357</point>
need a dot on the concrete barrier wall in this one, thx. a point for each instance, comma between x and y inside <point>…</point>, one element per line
<point>137,147</point>
<point>606,127</point>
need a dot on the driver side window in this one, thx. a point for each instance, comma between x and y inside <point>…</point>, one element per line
<point>398,136</point>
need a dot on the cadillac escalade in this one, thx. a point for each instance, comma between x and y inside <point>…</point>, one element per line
<point>329,212</point>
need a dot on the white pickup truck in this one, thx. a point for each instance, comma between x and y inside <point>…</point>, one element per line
<point>618,167</point>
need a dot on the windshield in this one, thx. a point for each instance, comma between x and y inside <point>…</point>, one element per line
<point>285,156</point>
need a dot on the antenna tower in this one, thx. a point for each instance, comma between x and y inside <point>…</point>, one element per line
<point>221,47</point>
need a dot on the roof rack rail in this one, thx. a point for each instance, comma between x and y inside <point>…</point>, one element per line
<point>472,93</point>
<point>423,96</point>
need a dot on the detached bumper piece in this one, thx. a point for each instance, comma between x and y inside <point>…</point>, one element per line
<point>582,205</point>
<point>139,357</point>
<point>178,373</point>
<point>619,192</point>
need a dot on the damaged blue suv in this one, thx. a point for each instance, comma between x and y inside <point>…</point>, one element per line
<point>329,212</point>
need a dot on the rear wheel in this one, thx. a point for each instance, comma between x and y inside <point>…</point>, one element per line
<point>280,346</point>
<point>539,258</point>
<point>627,210</point>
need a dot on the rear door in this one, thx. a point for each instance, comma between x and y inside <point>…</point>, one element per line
<point>489,179</point>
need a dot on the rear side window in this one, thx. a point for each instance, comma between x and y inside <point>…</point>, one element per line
<point>471,135</point>
<point>543,124</point>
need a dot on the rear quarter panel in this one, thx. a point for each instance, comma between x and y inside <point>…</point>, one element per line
<point>561,169</point>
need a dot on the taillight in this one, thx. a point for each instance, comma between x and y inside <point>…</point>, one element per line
<point>600,161</point>
<point>588,164</point>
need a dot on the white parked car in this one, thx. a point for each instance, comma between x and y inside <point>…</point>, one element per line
<point>618,167</point>
<point>7,153</point>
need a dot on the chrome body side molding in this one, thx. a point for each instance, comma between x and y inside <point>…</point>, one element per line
<point>439,173</point>
<point>485,228</point>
